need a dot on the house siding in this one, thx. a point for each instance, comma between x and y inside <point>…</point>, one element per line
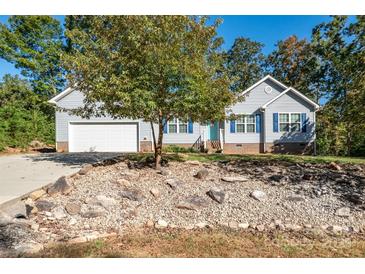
<point>75,100</point>
<point>181,138</point>
<point>254,99</point>
<point>289,103</point>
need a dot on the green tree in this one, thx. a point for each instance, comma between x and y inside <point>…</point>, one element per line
<point>24,115</point>
<point>150,67</point>
<point>34,44</point>
<point>340,45</point>
<point>244,62</point>
<point>294,63</point>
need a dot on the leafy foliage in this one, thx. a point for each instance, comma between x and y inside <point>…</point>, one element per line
<point>34,44</point>
<point>244,62</point>
<point>24,116</point>
<point>340,46</point>
<point>295,64</point>
<point>150,67</point>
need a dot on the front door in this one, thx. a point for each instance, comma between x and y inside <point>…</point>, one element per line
<point>213,130</point>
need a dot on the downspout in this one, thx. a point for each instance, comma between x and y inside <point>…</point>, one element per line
<point>263,128</point>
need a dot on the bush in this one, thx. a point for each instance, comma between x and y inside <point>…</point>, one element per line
<point>24,115</point>
<point>178,149</point>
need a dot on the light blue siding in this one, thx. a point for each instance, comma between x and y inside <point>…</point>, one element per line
<point>257,97</point>
<point>289,102</point>
<point>75,99</point>
<point>253,101</point>
<point>181,138</point>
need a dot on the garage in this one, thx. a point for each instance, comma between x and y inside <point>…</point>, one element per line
<point>102,137</point>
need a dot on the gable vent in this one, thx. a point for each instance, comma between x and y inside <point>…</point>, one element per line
<point>268,89</point>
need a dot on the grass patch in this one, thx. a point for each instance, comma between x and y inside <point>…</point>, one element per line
<point>204,157</point>
<point>213,243</point>
<point>274,157</point>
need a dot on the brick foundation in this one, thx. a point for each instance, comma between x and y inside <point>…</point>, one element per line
<point>282,148</point>
<point>242,148</point>
<point>290,148</point>
<point>62,146</point>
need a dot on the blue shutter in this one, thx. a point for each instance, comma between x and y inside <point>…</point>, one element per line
<point>275,120</point>
<point>233,126</point>
<point>164,125</point>
<point>258,123</point>
<point>304,122</point>
<point>190,126</point>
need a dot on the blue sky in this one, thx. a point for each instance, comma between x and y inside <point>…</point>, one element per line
<point>262,28</point>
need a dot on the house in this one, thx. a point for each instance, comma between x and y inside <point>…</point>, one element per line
<point>272,118</point>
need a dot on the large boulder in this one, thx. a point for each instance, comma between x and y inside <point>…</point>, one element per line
<point>343,212</point>
<point>334,166</point>
<point>234,179</point>
<point>93,212</point>
<point>17,209</point>
<point>258,195</point>
<point>43,205</point>
<point>155,192</point>
<point>62,186</point>
<point>217,195</point>
<point>5,219</point>
<point>192,203</point>
<point>59,213</point>
<point>35,195</point>
<point>28,248</point>
<point>277,178</point>
<point>174,183</point>
<point>73,208</point>
<point>105,202</point>
<point>85,169</point>
<point>132,194</point>
<point>161,224</point>
<point>202,174</point>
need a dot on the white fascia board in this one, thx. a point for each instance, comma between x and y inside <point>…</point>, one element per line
<point>59,96</point>
<point>296,92</point>
<point>261,81</point>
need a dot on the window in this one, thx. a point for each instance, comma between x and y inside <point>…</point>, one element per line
<point>173,126</point>
<point>245,124</point>
<point>250,123</point>
<point>177,126</point>
<point>240,124</point>
<point>183,127</point>
<point>289,122</point>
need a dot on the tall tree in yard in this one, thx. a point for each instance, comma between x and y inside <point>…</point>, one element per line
<point>34,44</point>
<point>340,45</point>
<point>294,63</point>
<point>244,63</point>
<point>150,67</point>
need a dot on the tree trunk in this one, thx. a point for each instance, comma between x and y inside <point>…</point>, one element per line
<point>158,147</point>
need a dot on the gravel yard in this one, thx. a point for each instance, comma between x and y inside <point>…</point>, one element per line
<point>260,195</point>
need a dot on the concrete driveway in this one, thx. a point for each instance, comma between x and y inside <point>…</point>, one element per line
<point>23,173</point>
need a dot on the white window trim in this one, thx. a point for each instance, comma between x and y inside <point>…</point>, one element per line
<point>289,122</point>
<point>178,127</point>
<point>245,124</point>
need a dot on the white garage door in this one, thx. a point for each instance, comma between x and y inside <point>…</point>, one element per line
<point>102,137</point>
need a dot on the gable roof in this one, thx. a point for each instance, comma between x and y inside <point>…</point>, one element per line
<point>305,98</point>
<point>263,80</point>
<point>60,95</point>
